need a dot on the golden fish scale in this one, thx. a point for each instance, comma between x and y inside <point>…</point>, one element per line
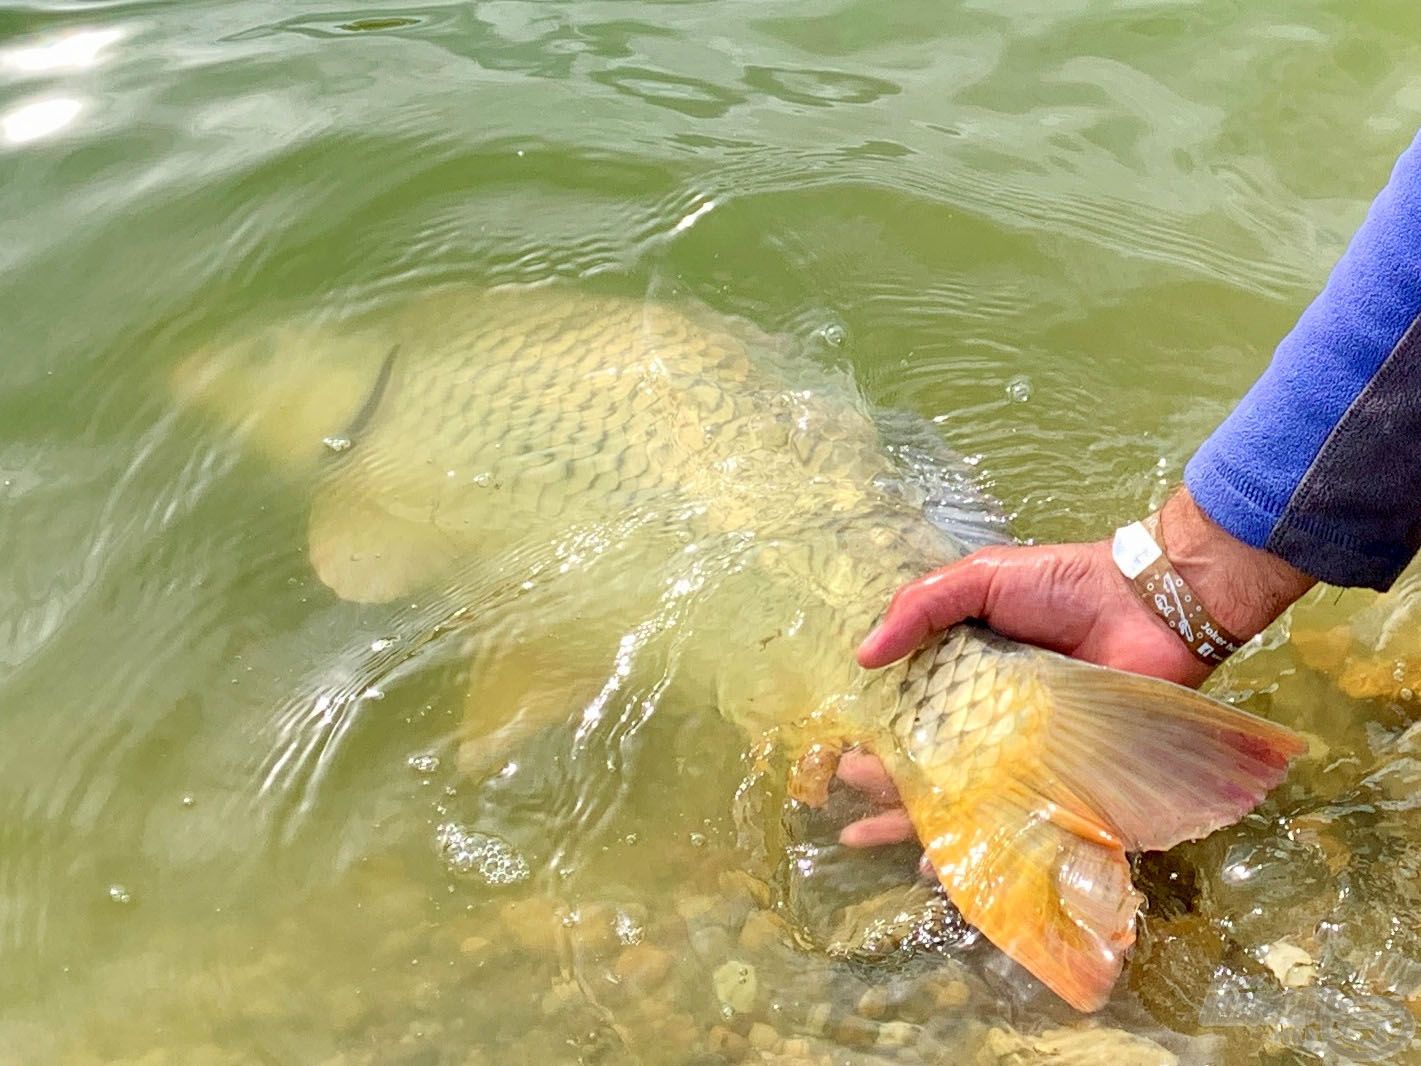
<point>960,708</point>
<point>568,406</point>
<point>513,413</point>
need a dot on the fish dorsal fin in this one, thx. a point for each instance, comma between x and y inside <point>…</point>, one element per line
<point>954,500</point>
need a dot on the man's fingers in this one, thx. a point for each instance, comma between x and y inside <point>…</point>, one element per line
<point>862,771</point>
<point>865,773</point>
<point>930,605</point>
<point>890,827</point>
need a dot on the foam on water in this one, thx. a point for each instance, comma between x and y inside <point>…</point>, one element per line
<point>468,853</point>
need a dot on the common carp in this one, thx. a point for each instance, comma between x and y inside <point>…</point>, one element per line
<point>762,520</point>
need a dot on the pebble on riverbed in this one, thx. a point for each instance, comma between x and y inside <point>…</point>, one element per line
<point>711,979</point>
<point>736,986</point>
<point>533,924</point>
<point>643,966</point>
<point>1293,966</point>
<point>1085,1046</point>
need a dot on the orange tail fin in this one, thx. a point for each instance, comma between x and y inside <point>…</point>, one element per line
<point>1034,854</point>
<point>1059,904</point>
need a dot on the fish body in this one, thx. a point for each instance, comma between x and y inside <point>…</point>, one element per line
<point>761,522</point>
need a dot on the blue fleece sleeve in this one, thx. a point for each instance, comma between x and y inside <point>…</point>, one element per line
<point>1321,461</point>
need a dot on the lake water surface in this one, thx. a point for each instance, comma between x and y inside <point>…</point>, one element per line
<point>1067,233</point>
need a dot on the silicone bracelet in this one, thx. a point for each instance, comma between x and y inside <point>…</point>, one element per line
<point>1138,554</point>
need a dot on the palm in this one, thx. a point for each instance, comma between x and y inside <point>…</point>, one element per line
<point>1068,598</point>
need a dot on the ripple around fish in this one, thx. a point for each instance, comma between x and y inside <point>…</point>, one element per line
<point>453,624</point>
<point>453,240</point>
<point>577,224</point>
<point>588,229</point>
<point>745,172</point>
<point>129,598</point>
<point>818,88</point>
<point>690,96</point>
<point>87,551</point>
<point>1111,222</point>
<point>356,21</point>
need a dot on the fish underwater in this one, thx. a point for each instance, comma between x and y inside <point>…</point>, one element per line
<point>752,516</point>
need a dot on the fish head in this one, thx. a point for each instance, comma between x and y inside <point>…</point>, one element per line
<point>293,394</point>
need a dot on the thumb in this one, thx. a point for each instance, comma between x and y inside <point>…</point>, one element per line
<point>931,604</point>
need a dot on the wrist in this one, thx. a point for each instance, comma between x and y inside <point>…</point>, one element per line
<point>1244,588</point>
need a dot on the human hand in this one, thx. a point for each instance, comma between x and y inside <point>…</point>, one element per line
<point>1068,598</point>
<point>1071,598</point>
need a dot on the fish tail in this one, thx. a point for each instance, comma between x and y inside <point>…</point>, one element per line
<point>1034,851</point>
<point>1058,903</point>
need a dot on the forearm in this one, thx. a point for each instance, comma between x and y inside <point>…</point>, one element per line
<point>1320,465</point>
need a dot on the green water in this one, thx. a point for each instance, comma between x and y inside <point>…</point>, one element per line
<point>1067,232</point>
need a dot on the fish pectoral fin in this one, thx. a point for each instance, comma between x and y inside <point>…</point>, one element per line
<point>1057,902</point>
<point>507,709</point>
<point>524,683</point>
<point>1150,762</point>
<point>365,554</point>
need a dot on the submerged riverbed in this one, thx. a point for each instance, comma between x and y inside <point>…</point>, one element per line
<point>235,825</point>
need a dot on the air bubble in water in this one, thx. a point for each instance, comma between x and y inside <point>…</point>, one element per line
<point>629,931</point>
<point>478,855</point>
<point>337,444</point>
<point>1019,389</point>
<point>120,894</point>
<point>833,334</point>
<point>423,764</point>
<point>1237,873</point>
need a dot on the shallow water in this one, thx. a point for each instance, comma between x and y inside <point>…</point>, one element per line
<point>232,824</point>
